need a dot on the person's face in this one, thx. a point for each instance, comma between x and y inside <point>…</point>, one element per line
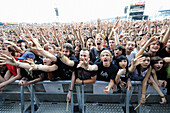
<point>89,43</point>
<point>17,54</point>
<point>106,59</point>
<point>71,37</point>
<point>84,55</point>
<point>117,52</point>
<point>138,43</point>
<point>145,62</point>
<point>77,43</point>
<point>111,44</point>
<point>66,52</point>
<point>77,51</point>
<point>85,38</point>
<point>148,35</point>
<point>5,51</point>
<point>51,49</point>
<point>99,41</point>
<point>168,44</point>
<point>123,63</point>
<point>130,46</point>
<point>154,47</point>
<point>47,61</point>
<point>19,44</point>
<point>158,66</point>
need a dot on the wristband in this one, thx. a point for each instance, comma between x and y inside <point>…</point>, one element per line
<point>18,64</point>
<point>61,56</point>
<point>143,49</point>
<point>82,82</point>
<point>37,68</point>
<point>70,90</point>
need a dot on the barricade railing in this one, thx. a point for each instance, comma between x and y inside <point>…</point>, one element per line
<point>80,94</point>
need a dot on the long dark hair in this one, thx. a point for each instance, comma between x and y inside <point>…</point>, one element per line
<point>119,59</point>
<point>155,60</point>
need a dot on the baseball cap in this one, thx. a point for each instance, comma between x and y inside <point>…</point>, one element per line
<point>20,40</point>
<point>27,55</point>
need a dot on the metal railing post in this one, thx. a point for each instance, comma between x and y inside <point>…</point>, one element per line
<point>22,99</point>
<point>32,98</point>
<point>72,103</point>
<point>82,97</point>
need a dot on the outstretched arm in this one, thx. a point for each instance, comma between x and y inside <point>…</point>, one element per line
<point>65,59</point>
<point>144,84</point>
<point>71,87</point>
<point>166,37</point>
<point>141,51</point>
<point>11,79</point>
<point>89,81</point>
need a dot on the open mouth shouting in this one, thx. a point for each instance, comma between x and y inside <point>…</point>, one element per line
<point>105,60</point>
<point>158,68</point>
<point>98,43</point>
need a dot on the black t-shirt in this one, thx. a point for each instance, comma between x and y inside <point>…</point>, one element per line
<point>163,53</point>
<point>53,76</point>
<point>162,75</point>
<point>31,75</point>
<point>95,55</point>
<point>83,74</point>
<point>64,71</point>
<point>106,73</point>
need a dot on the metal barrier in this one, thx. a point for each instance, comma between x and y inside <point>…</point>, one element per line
<point>80,95</point>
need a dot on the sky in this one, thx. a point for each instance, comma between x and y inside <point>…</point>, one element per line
<point>42,11</point>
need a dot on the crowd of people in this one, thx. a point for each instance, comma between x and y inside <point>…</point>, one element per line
<point>117,52</point>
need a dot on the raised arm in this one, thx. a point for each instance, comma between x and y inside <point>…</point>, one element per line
<point>166,37</point>
<point>65,59</point>
<point>141,51</point>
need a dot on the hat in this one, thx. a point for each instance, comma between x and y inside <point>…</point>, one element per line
<point>20,40</point>
<point>27,55</point>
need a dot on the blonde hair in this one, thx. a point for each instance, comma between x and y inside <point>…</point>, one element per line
<point>100,34</point>
<point>106,51</point>
<point>91,41</point>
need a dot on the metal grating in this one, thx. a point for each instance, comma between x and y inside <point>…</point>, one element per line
<point>103,108</point>
<point>51,107</point>
<point>11,106</point>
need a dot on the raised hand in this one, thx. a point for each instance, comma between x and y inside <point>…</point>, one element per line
<point>4,59</point>
<point>23,83</point>
<point>138,60</point>
<point>32,64</point>
<point>69,96</point>
<point>107,90</point>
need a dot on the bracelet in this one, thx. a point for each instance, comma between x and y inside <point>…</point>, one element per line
<point>82,82</point>
<point>18,64</point>
<point>162,96</point>
<point>61,56</point>
<point>37,68</point>
<point>24,78</point>
<point>143,49</point>
<point>70,90</point>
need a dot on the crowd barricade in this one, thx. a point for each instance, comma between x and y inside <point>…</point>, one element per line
<point>79,92</point>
